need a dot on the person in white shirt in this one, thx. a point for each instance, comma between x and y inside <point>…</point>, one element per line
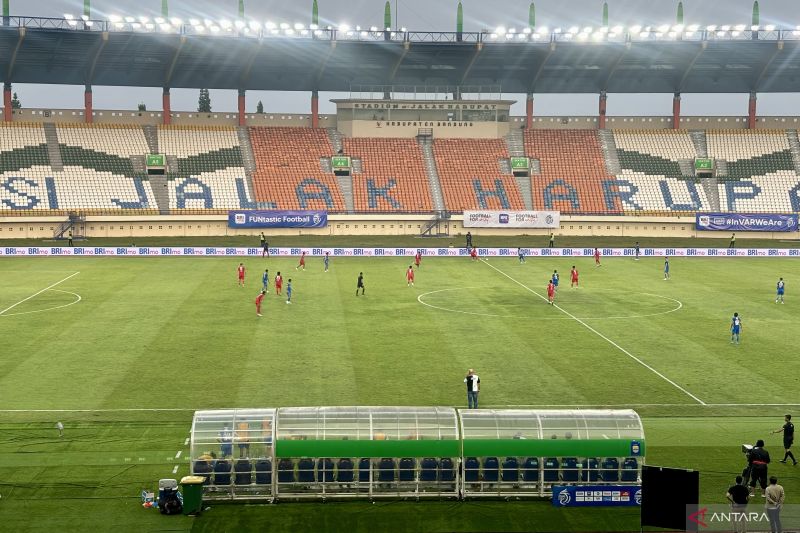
<point>473,388</point>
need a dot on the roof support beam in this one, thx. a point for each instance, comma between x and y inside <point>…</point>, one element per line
<point>95,55</point>
<point>690,66</point>
<point>171,70</point>
<point>396,66</point>
<point>551,49</point>
<point>478,49</point>
<point>778,50</point>
<point>13,60</point>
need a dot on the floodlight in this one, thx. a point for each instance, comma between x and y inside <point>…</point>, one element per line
<point>536,35</point>
<point>114,18</point>
<point>573,29</point>
<point>403,29</point>
<point>85,17</point>
<point>90,23</point>
<point>269,25</point>
<point>130,20</point>
<point>644,34</point>
<point>150,26</point>
<point>664,28</point>
<point>720,34</point>
<point>284,26</point>
<point>770,27</point>
<point>274,31</point>
<point>119,25</point>
<point>587,29</point>
<point>672,34</point>
<point>678,28</point>
<point>740,27</point>
<point>604,29</point>
<point>208,22</point>
<point>313,27</point>
<point>303,32</point>
<point>344,27</point>
<point>289,31</point>
<point>373,28</point>
<point>659,35</point>
<point>725,27</point>
<point>612,35</point>
<point>349,33</point>
<point>240,24</point>
<point>176,21</point>
<point>214,28</point>
<point>160,20</point>
<point>501,30</point>
<point>225,24</point>
<point>557,30</point>
<point>254,25</point>
<point>597,35</point>
<point>583,36</point>
<point>712,27</point>
<point>522,36</point>
<point>796,33</point>
<point>299,26</point>
<point>358,28</point>
<point>144,20</point>
<point>166,26</point>
<point>617,29</point>
<point>512,30</point>
<point>690,34</point>
<point>735,33</point>
<point>199,28</point>
<point>317,32</point>
<point>364,33</point>
<point>493,36</point>
<point>136,25</point>
<point>68,16</point>
<point>194,22</point>
<point>387,28</point>
<point>509,35</point>
<point>693,27</point>
<point>637,28</point>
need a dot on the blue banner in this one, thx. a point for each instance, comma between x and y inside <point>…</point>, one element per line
<point>597,496</point>
<point>277,219</point>
<point>745,222</point>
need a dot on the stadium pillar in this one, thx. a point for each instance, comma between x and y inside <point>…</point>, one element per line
<point>242,120</point>
<point>87,105</point>
<point>167,112</point>
<point>529,111</point>
<point>676,111</point>
<point>601,120</point>
<point>314,109</point>
<point>751,111</point>
<point>7,111</point>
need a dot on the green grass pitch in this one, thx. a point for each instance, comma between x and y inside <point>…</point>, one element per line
<point>126,348</point>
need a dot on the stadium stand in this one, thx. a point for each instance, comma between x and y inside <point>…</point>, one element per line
<point>573,172</point>
<point>469,172</point>
<point>288,173</point>
<point>393,175</point>
<point>210,174</point>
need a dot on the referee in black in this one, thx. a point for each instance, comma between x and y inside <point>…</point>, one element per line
<point>788,439</point>
<point>360,283</point>
<point>758,461</point>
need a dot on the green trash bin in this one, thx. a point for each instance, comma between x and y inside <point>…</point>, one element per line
<point>192,490</point>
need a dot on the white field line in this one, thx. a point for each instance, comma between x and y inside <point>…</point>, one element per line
<point>38,293</point>
<point>175,470</point>
<point>178,455</point>
<point>506,406</point>
<point>186,442</point>
<point>590,328</point>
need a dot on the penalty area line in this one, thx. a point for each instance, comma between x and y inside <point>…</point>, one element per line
<point>38,293</point>
<point>590,328</point>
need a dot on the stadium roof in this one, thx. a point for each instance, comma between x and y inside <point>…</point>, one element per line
<point>51,51</point>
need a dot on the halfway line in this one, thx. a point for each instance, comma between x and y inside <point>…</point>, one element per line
<point>38,293</point>
<point>590,328</point>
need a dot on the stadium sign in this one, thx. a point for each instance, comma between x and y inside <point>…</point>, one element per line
<point>512,219</point>
<point>606,496</point>
<point>277,219</point>
<point>745,222</point>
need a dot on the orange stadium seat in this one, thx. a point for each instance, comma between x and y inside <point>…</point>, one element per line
<point>391,168</point>
<point>470,176</point>
<point>288,172</point>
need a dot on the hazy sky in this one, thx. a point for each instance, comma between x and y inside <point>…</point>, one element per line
<point>433,15</point>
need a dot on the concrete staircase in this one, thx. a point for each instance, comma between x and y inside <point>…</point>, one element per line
<point>699,141</point>
<point>426,145</point>
<point>151,136</point>
<point>687,167</point>
<point>721,167</point>
<point>325,165</point>
<point>357,165</point>
<point>505,166</point>
<point>51,136</point>
<point>172,164</point>
<point>159,185</point>
<point>346,187</point>
<point>335,139</point>
<point>525,189</point>
<point>515,144</point>
<point>794,146</point>
<point>609,147</point>
<point>248,157</point>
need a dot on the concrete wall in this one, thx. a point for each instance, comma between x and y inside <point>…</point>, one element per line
<point>441,129</point>
<point>388,224</point>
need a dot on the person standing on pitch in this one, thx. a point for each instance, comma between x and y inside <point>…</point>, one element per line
<point>738,495</point>
<point>289,291</point>
<point>473,388</point>
<point>780,289</point>
<point>360,283</point>
<point>733,241</point>
<point>775,496</point>
<point>302,261</point>
<point>264,245</point>
<point>469,240</point>
<point>418,258</point>
<point>596,257</point>
<point>521,255</point>
<point>259,300</point>
<point>551,292</point>
<point>574,276</point>
<point>736,327</point>
<point>788,439</point>
<point>758,459</point>
<point>552,240</point>
<point>265,280</point>
<point>636,249</point>
<point>326,260</point>
<point>410,276</point>
<point>240,273</point>
<point>69,238</point>
<point>666,268</point>
<point>60,428</point>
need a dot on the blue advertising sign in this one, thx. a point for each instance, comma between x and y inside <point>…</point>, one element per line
<point>597,496</point>
<point>277,219</point>
<point>745,222</point>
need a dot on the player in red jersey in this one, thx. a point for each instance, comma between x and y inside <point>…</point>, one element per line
<point>597,257</point>
<point>474,254</point>
<point>574,277</point>
<point>302,262</point>
<point>418,258</point>
<point>259,299</point>
<point>410,276</point>
<point>240,272</point>
<point>278,284</point>
<point>551,292</point>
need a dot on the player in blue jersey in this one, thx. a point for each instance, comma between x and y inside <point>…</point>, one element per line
<point>265,280</point>
<point>666,268</point>
<point>636,250</point>
<point>521,255</point>
<point>289,291</point>
<point>326,260</point>
<point>736,328</point>
<point>780,289</point>
<point>555,279</point>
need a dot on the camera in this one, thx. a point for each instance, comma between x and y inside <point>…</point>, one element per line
<point>747,448</point>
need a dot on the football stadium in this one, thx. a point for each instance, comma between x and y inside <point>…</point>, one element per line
<point>259,318</point>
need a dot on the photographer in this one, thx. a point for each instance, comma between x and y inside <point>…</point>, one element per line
<point>757,460</point>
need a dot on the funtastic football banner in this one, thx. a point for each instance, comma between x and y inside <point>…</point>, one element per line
<point>603,496</point>
<point>277,219</point>
<point>512,219</point>
<point>483,253</point>
<point>745,222</point>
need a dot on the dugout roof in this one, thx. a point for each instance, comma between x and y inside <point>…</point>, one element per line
<point>50,51</point>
